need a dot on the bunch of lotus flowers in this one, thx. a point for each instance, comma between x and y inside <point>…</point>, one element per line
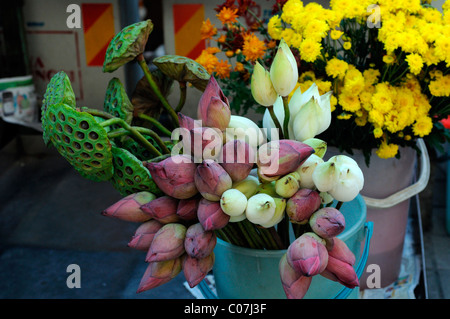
<point>230,182</point>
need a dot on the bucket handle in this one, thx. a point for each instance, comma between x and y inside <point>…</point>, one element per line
<point>409,191</point>
<point>345,292</point>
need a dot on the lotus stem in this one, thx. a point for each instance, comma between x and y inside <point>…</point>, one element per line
<point>156,123</point>
<point>182,101</point>
<point>338,205</point>
<point>286,117</point>
<point>276,122</point>
<point>111,120</point>
<point>142,130</point>
<point>154,86</point>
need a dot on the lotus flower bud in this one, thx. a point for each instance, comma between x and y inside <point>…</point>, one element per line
<point>306,170</point>
<point>211,216</point>
<point>319,146</point>
<point>288,185</point>
<point>308,254</point>
<point>325,198</point>
<point>233,202</point>
<point>284,70</point>
<point>212,180</point>
<point>340,176</point>
<point>187,122</point>
<point>175,176</point>
<point>340,262</point>
<point>163,209</point>
<point>238,159</point>
<point>261,86</point>
<point>279,213</point>
<point>187,208</point>
<point>199,242</point>
<point>313,117</point>
<point>327,222</point>
<point>267,188</point>
<point>248,186</point>
<point>168,243</point>
<point>144,234</point>
<point>213,107</point>
<point>159,273</point>
<point>295,285</point>
<point>238,218</point>
<point>282,157</point>
<point>244,129</point>
<point>129,208</point>
<point>205,143</point>
<point>195,270</point>
<point>302,205</point>
<point>260,208</point>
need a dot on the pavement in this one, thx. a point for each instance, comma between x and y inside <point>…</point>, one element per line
<point>50,219</point>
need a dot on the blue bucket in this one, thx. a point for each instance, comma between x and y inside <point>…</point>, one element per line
<point>244,273</point>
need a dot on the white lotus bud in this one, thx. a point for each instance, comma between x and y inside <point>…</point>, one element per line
<point>248,186</point>
<point>288,185</point>
<point>262,87</point>
<point>279,213</point>
<point>260,208</point>
<point>233,202</point>
<point>284,70</point>
<point>306,170</point>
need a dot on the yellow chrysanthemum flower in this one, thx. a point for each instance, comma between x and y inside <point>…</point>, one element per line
<point>387,150</point>
<point>423,126</point>
<point>336,68</point>
<point>349,102</point>
<point>415,63</point>
<point>336,34</point>
<point>310,50</point>
<point>274,27</point>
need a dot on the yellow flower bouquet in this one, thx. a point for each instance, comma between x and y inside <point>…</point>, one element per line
<point>386,62</point>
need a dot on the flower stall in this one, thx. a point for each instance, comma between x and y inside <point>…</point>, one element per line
<point>199,189</point>
<point>385,64</point>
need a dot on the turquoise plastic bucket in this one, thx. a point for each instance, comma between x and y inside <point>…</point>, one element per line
<point>244,273</point>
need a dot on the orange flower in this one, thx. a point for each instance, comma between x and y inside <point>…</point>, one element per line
<point>253,47</point>
<point>239,67</point>
<point>208,60</point>
<point>227,15</point>
<point>271,44</point>
<point>222,38</point>
<point>223,69</point>
<point>207,29</point>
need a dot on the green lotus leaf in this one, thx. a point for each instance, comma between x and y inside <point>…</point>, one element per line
<point>130,175</point>
<point>81,140</point>
<point>59,90</point>
<point>117,102</point>
<point>183,69</point>
<point>127,45</point>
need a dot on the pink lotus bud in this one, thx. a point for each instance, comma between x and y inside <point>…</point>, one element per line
<point>238,159</point>
<point>129,208</point>
<point>282,157</point>
<point>168,243</point>
<point>144,234</point>
<point>212,180</point>
<point>205,143</point>
<point>295,285</point>
<point>211,215</point>
<point>186,122</point>
<point>158,273</point>
<point>308,255</point>
<point>163,209</point>
<point>341,251</point>
<point>187,208</point>
<point>199,243</point>
<point>175,176</point>
<point>213,107</point>
<point>195,270</point>
<point>302,205</point>
<point>327,222</point>
<point>342,272</point>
